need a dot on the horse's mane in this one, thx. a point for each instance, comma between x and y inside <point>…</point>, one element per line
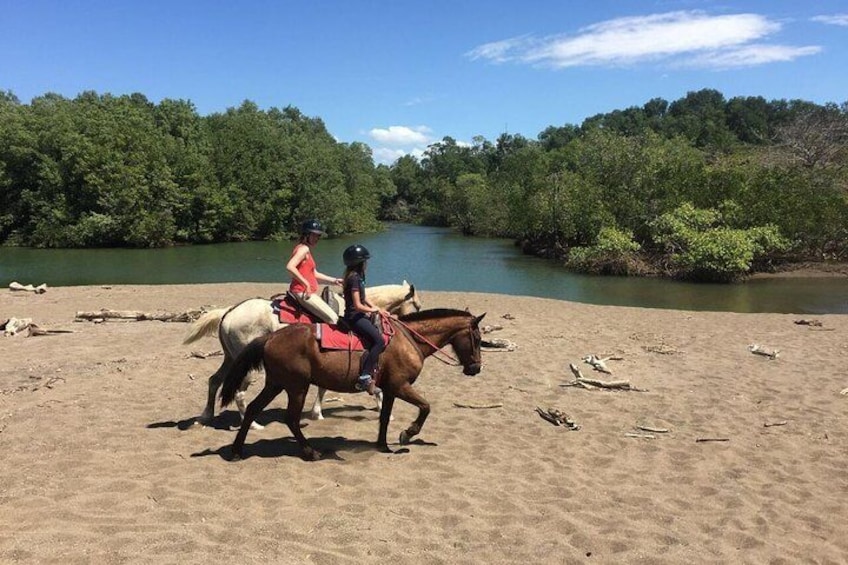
<point>432,314</point>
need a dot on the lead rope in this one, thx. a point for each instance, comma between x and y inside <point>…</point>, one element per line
<point>452,360</point>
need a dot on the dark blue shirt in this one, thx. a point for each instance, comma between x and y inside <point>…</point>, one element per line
<point>353,283</point>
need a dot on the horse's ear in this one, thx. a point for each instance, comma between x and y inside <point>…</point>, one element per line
<point>404,283</point>
<point>479,318</point>
<point>411,288</point>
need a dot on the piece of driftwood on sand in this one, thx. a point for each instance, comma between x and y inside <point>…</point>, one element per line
<point>135,315</point>
<point>760,350</point>
<point>557,418</point>
<point>18,287</point>
<point>581,381</point>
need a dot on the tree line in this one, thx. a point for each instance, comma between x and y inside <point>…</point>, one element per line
<point>702,187</point>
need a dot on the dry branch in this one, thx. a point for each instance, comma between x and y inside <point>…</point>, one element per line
<point>652,429</point>
<point>35,330</point>
<point>641,436</point>
<point>706,439</point>
<point>498,344</point>
<point>478,406</point>
<point>557,418</point>
<point>202,355</point>
<point>770,424</point>
<point>759,350</point>
<point>808,323</point>
<point>582,381</point>
<point>187,316</point>
<point>16,286</point>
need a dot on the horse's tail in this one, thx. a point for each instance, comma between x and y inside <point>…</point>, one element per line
<point>205,325</point>
<point>249,359</point>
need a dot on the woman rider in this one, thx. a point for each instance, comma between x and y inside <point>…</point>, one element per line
<point>301,266</point>
<point>356,314</point>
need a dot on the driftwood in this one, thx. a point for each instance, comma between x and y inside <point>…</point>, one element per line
<point>816,323</point>
<point>641,436</point>
<point>652,429</point>
<point>582,381</point>
<point>16,286</point>
<point>844,391</point>
<point>35,330</point>
<point>706,439</point>
<point>599,363</point>
<point>478,406</point>
<point>759,350</point>
<point>187,316</point>
<point>202,355</point>
<point>13,326</point>
<point>498,344</point>
<point>557,418</point>
<point>491,328</point>
<point>770,424</point>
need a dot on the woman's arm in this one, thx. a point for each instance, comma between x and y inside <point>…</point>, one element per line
<point>328,279</point>
<point>297,257</point>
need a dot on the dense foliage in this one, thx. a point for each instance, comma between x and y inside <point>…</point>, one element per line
<point>702,187</point>
<point>105,171</point>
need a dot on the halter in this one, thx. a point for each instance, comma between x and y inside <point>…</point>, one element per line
<point>452,360</point>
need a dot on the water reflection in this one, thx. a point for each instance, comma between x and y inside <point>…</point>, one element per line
<point>432,258</point>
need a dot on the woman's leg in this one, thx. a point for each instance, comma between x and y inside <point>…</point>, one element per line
<point>315,305</point>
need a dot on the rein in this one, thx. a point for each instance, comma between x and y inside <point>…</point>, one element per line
<point>452,360</point>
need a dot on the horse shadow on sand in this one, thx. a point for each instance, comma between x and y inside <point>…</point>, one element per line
<point>331,448</point>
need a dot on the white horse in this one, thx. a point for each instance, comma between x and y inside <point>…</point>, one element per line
<point>244,322</point>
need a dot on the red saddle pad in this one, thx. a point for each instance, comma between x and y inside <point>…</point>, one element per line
<point>331,337</point>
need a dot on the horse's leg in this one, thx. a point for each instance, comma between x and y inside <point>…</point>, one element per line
<point>378,400</point>
<point>297,398</point>
<point>385,416</point>
<point>316,413</point>
<point>215,382</point>
<point>409,394</point>
<point>240,394</point>
<point>254,409</point>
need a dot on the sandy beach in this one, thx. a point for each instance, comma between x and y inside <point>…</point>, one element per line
<point>102,462</point>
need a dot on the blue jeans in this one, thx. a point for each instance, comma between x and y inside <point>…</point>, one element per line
<point>372,339</point>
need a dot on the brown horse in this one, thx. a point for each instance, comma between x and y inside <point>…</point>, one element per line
<point>293,361</point>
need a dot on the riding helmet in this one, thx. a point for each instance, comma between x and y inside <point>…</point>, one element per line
<point>355,254</point>
<point>311,226</point>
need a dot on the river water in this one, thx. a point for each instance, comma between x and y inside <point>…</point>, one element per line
<point>432,258</point>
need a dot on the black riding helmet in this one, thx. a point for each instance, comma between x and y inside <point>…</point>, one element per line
<point>354,255</point>
<point>311,226</point>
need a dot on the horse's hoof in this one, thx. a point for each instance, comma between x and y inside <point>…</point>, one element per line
<point>384,448</point>
<point>311,454</point>
<point>255,426</point>
<point>404,438</point>
<point>316,416</point>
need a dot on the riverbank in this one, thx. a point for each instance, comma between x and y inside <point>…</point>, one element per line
<point>102,463</point>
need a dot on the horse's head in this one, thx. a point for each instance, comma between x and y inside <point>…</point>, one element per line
<point>466,344</point>
<point>410,302</point>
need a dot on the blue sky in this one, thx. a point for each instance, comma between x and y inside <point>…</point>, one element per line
<point>399,75</point>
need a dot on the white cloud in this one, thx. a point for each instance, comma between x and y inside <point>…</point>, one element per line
<point>387,156</point>
<point>835,19</point>
<point>674,38</point>
<point>751,55</point>
<point>399,136</point>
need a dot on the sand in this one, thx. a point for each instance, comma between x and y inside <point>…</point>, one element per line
<point>102,463</point>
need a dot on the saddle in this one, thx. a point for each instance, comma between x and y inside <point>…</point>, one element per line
<point>289,310</point>
<point>339,336</point>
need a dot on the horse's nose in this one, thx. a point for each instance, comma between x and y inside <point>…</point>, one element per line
<point>472,369</point>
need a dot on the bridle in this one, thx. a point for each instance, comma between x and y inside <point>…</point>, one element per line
<point>452,359</point>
